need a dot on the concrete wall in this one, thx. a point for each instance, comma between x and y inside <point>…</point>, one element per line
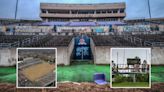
<point>161,27</point>
<point>101,54</point>
<point>7,56</point>
<point>82,6</point>
<point>64,54</point>
<point>157,56</point>
<point>92,45</point>
<point>70,49</point>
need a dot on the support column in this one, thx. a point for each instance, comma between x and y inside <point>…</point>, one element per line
<point>70,12</point>
<point>118,11</point>
<point>46,11</point>
<point>46,19</point>
<point>95,12</point>
<point>134,77</point>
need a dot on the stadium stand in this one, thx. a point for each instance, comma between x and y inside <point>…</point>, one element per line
<point>23,81</point>
<point>12,38</point>
<point>156,40</point>
<point>59,41</point>
<point>28,63</point>
<point>111,40</point>
<point>34,41</point>
<point>62,39</point>
<point>33,29</point>
<point>46,80</point>
<point>35,80</point>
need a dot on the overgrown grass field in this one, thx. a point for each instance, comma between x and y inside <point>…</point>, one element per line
<point>78,73</point>
<point>81,73</point>
<point>131,84</point>
<point>7,74</point>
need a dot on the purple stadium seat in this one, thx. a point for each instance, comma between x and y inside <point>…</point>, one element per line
<point>99,78</point>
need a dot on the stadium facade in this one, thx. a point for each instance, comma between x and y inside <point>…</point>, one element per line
<point>82,12</point>
<point>96,32</point>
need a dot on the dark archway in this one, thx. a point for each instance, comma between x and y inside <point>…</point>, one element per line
<point>82,50</point>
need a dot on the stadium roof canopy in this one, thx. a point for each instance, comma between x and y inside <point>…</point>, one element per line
<point>104,23</point>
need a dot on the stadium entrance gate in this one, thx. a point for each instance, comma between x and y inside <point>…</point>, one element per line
<point>82,50</point>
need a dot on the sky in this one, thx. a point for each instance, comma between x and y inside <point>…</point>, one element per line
<point>123,54</point>
<point>30,9</point>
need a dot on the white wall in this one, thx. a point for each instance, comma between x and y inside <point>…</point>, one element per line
<point>7,56</point>
<point>101,54</point>
<point>64,54</point>
<point>157,56</point>
<point>70,49</point>
<point>92,45</point>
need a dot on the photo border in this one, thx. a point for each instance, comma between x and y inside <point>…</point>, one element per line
<point>111,67</point>
<point>17,67</point>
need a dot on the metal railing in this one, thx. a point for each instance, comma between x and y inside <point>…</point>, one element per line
<point>130,69</point>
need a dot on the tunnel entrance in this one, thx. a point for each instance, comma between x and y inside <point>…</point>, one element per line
<point>82,50</point>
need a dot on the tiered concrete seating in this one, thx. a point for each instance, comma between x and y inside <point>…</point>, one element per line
<point>111,41</point>
<point>33,28</point>
<point>28,63</point>
<point>12,38</point>
<point>41,41</point>
<point>36,41</point>
<point>23,81</point>
<point>152,37</point>
<point>47,79</point>
<point>122,42</point>
<point>59,41</point>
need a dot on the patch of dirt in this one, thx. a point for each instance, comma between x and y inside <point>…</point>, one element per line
<point>81,87</point>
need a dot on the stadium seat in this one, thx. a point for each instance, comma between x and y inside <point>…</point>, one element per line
<point>99,78</point>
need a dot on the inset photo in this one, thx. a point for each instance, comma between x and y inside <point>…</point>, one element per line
<point>130,68</point>
<point>36,67</point>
